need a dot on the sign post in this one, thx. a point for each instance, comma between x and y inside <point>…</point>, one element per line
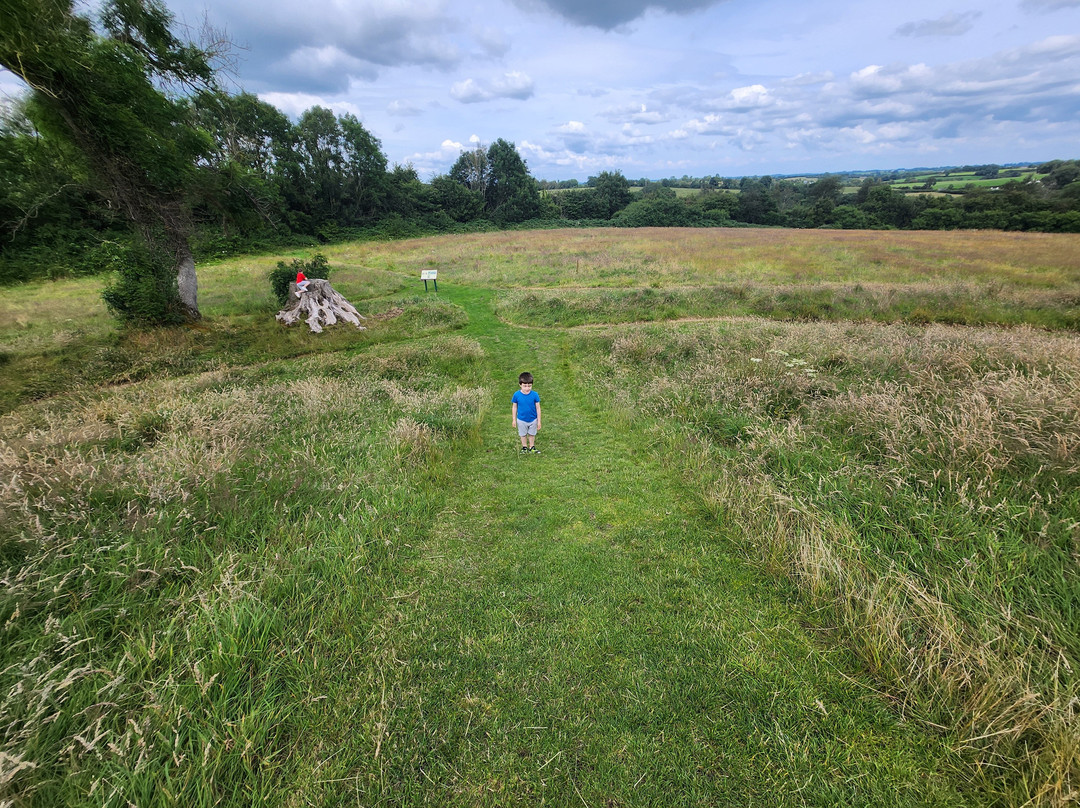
<point>430,275</point>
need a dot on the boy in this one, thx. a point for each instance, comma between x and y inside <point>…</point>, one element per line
<point>525,411</point>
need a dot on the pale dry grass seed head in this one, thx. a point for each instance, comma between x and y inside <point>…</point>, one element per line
<point>412,440</point>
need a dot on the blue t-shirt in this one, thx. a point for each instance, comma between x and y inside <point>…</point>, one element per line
<point>526,405</point>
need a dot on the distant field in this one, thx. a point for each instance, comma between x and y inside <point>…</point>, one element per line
<point>958,181</point>
<point>665,257</point>
<point>682,193</point>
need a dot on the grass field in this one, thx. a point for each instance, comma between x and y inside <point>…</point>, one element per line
<point>804,529</point>
<point>963,180</point>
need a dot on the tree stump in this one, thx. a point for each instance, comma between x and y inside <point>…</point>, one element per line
<point>320,304</point>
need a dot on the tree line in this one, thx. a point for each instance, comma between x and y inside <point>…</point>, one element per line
<point>1050,204</point>
<point>127,155</point>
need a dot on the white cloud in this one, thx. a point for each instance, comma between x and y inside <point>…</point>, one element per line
<point>749,97</point>
<point>295,104</point>
<point>709,125</point>
<point>436,161</point>
<point>638,112</point>
<point>515,84</point>
<point>875,80</point>
<point>569,161</point>
<point>327,43</point>
<point>882,109</point>
<point>403,108</point>
<point>808,79</point>
<point>469,92</point>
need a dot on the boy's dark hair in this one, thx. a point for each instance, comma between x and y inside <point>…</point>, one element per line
<point>525,378</point>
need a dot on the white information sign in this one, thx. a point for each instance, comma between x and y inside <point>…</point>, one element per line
<point>429,274</point>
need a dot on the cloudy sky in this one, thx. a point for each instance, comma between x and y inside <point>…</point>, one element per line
<point>659,88</point>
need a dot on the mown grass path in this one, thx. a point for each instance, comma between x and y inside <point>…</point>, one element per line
<point>579,632</point>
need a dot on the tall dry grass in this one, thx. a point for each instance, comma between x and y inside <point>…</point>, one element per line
<point>179,559</point>
<point>921,302</point>
<point>921,487</point>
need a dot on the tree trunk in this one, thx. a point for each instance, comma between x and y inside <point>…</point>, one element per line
<point>186,281</point>
<point>321,304</point>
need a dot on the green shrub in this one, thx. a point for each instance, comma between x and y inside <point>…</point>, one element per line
<point>284,274</point>
<point>659,211</point>
<point>145,290</point>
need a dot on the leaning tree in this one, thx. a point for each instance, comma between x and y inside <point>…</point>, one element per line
<point>115,93</point>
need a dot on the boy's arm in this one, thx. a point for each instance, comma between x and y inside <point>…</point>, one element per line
<point>537,416</point>
<point>513,414</point>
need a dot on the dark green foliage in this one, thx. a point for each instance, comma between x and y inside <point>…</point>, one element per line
<point>607,194</point>
<point>456,200</point>
<point>500,176</point>
<point>656,190</point>
<point>512,194</point>
<point>758,203</point>
<point>1060,173</point>
<point>144,292</point>
<point>613,191</point>
<point>472,170</point>
<point>284,274</point>
<point>660,211</point>
<point>577,205</point>
<point>338,170</point>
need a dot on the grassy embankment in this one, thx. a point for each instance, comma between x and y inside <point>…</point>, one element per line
<point>842,574</point>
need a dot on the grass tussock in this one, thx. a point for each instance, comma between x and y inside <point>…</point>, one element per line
<point>188,568</point>
<point>920,485</point>
<point>951,303</point>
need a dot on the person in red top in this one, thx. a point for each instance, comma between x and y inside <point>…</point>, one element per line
<point>301,282</point>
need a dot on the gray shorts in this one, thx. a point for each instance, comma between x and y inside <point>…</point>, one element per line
<point>526,428</point>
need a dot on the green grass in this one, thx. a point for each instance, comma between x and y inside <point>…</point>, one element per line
<point>615,650</point>
<point>917,485</point>
<point>248,565</point>
<point>937,303</point>
<point>963,180</point>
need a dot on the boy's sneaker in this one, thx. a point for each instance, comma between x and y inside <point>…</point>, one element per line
<point>534,450</point>
<point>524,450</point>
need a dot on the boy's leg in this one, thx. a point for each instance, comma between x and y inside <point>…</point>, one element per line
<point>528,435</point>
